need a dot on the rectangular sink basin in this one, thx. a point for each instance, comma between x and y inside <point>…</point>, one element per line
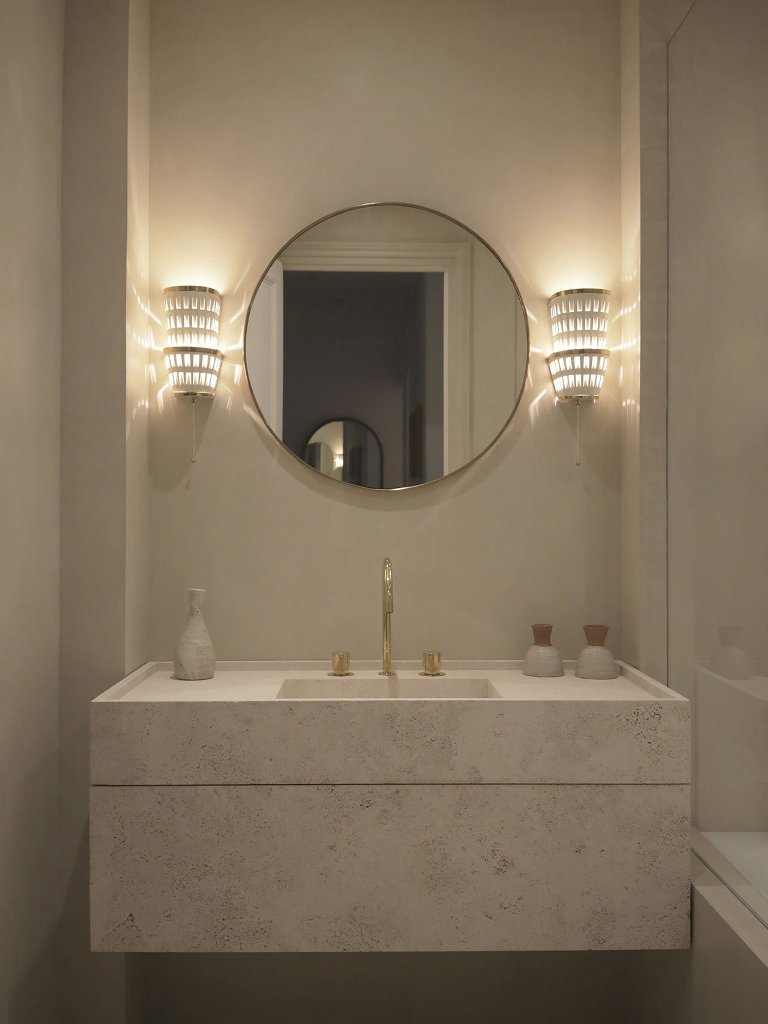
<point>386,688</point>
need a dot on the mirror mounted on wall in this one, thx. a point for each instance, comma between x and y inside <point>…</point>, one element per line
<point>400,332</point>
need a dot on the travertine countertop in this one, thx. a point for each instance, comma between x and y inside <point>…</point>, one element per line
<point>152,729</point>
<point>261,680</point>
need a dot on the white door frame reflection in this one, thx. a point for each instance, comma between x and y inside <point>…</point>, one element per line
<point>453,261</point>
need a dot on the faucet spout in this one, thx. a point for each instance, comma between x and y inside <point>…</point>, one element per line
<point>387,605</point>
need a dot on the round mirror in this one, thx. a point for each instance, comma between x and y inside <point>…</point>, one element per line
<point>396,329</point>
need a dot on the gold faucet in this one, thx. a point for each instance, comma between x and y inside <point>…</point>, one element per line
<point>387,609</point>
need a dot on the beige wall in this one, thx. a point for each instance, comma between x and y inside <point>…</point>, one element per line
<point>629,319</point>
<point>647,25</point>
<point>104,518</point>
<point>138,341</point>
<point>31,41</point>
<point>365,103</point>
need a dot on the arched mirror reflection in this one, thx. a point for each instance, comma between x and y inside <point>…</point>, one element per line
<point>396,318</point>
<point>346,450</point>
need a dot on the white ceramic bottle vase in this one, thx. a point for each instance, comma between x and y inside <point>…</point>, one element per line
<point>542,659</point>
<point>730,660</point>
<point>195,658</point>
<point>596,661</point>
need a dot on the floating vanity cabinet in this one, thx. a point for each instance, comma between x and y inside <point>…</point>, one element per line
<point>270,809</point>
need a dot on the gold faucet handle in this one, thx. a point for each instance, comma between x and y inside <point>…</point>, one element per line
<point>431,662</point>
<point>340,664</point>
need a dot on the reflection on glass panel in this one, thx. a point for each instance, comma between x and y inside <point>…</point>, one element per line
<point>718,427</point>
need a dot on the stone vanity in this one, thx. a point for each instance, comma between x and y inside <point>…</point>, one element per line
<point>275,808</point>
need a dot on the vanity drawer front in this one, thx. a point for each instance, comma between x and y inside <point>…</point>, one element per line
<point>382,742</point>
<point>389,868</point>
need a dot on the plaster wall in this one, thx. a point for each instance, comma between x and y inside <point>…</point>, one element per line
<point>646,28</point>
<point>138,341</point>
<point>627,310</point>
<point>362,104</point>
<point>31,45</point>
<point>104,519</point>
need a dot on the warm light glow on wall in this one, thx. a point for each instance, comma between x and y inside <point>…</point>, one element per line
<point>579,325</point>
<point>192,357</point>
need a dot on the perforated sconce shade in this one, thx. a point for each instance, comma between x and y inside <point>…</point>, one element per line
<point>192,357</point>
<point>579,325</point>
<point>193,371</point>
<point>579,373</point>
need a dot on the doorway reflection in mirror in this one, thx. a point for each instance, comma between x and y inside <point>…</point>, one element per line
<point>395,317</point>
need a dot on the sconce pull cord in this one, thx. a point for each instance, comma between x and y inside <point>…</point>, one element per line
<point>578,435</point>
<point>194,406</point>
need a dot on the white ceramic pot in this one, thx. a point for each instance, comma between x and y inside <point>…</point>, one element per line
<point>542,659</point>
<point>596,661</point>
<point>195,658</point>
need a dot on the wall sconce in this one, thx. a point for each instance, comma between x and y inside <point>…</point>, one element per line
<point>192,357</point>
<point>578,320</point>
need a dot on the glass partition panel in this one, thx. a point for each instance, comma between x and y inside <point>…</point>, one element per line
<point>718,427</point>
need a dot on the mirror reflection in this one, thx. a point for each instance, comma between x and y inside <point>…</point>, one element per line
<point>396,329</point>
<point>346,450</point>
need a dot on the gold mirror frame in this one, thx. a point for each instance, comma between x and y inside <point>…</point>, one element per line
<point>505,425</point>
